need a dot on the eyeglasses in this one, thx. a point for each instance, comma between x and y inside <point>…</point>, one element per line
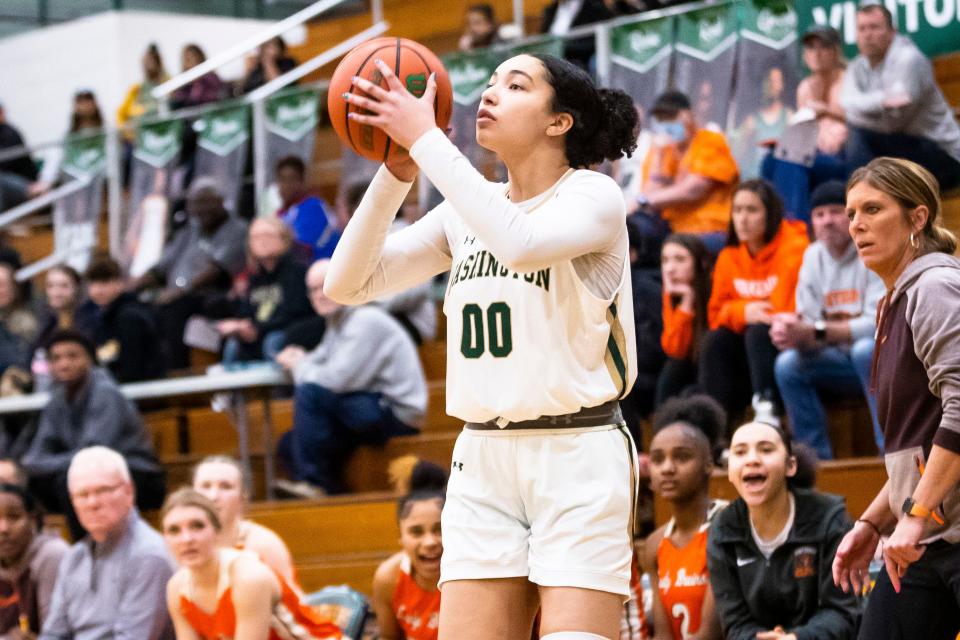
<point>97,492</point>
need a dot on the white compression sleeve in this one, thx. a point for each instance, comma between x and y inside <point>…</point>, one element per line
<point>589,219</point>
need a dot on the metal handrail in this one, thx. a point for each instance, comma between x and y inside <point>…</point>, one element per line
<point>242,47</point>
<point>45,200</point>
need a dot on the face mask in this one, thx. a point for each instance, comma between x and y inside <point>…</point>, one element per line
<point>675,130</point>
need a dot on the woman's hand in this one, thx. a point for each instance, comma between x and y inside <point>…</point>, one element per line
<point>757,312</point>
<point>685,293</point>
<point>903,548</point>
<point>851,565</point>
<point>396,111</point>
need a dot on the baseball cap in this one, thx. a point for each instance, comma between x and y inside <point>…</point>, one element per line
<point>825,34</point>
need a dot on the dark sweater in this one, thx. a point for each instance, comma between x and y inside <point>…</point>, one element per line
<point>127,338</point>
<point>277,298</point>
<point>794,587</point>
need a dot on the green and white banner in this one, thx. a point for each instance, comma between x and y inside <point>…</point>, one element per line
<point>292,118</point>
<point>641,54</point>
<point>157,151</point>
<point>933,25</point>
<point>768,72</point>
<point>706,52</point>
<point>222,137</point>
<point>75,217</point>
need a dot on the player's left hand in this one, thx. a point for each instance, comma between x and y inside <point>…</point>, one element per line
<point>903,548</point>
<point>396,111</point>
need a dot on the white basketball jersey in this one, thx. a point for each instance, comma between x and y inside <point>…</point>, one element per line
<point>524,345</point>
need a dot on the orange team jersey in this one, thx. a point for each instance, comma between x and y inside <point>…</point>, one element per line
<point>289,620</point>
<point>771,276</point>
<point>677,337</point>
<point>683,578</point>
<point>417,610</point>
<point>633,623</point>
<point>707,155</point>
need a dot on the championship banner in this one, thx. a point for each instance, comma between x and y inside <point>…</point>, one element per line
<point>768,71</point>
<point>705,55</point>
<point>933,25</point>
<point>76,217</point>
<point>641,54</point>
<point>222,150</point>
<point>156,152</point>
<point>292,118</point>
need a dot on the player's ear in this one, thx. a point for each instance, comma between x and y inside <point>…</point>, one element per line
<point>560,124</point>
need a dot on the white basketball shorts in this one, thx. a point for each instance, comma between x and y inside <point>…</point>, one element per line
<point>555,506</point>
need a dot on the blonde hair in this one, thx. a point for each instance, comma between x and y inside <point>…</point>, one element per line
<point>188,497</point>
<point>228,460</point>
<point>911,186</point>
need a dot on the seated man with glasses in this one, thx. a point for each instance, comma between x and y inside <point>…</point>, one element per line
<point>111,584</point>
<point>86,408</point>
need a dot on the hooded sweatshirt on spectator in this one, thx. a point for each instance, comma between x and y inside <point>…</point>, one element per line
<point>740,278</point>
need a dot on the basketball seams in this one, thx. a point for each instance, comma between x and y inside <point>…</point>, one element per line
<point>398,47</point>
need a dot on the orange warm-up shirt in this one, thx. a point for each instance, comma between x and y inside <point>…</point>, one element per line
<point>417,610</point>
<point>709,156</point>
<point>771,275</point>
<point>677,336</point>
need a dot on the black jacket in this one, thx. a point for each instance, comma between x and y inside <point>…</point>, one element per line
<point>127,338</point>
<point>278,298</point>
<point>794,588</point>
<point>578,50</point>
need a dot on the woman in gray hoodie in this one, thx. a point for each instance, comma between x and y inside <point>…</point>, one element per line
<point>894,206</point>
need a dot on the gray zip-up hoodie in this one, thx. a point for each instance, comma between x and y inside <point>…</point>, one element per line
<point>916,377</point>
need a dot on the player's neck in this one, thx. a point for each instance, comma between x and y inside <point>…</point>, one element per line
<point>533,173</point>
<point>689,515</point>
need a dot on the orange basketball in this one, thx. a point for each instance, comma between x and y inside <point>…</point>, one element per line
<point>412,63</point>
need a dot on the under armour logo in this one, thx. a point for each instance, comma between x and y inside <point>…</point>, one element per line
<point>458,465</point>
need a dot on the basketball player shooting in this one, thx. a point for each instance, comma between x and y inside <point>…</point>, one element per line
<point>540,334</point>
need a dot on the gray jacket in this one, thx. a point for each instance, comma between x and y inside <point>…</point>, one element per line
<point>917,379</point>
<point>98,415</point>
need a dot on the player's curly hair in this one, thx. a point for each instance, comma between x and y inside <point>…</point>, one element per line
<point>605,121</point>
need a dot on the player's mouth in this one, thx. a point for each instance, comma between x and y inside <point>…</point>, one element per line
<point>753,481</point>
<point>485,116</point>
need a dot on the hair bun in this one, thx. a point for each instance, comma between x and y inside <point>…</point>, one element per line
<point>410,474</point>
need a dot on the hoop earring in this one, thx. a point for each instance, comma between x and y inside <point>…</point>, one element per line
<point>914,242</point>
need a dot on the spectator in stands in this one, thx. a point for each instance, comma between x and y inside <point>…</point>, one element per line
<point>18,324</point>
<point>226,593</point>
<point>314,225</point>
<point>675,555</point>
<point>198,263</point>
<point>86,408</point>
<point>762,128</point>
<point>222,480</point>
<point>29,563</point>
<point>893,104</point>
<point>894,207</point>
<point>819,93</point>
<point>363,384</point>
<point>139,101</point>
<point>110,584</point>
<point>560,16</point>
<point>827,343</point>
<point>686,266</point>
<point>63,293</point>
<point>206,88</point>
<point>12,473</point>
<point>414,308</point>
<point>480,27</point>
<point>406,599</point>
<point>647,325</point>
<point>124,330</point>
<point>271,62</point>
<point>754,279</point>
<point>17,175</point>
<point>85,118</point>
<point>769,553</point>
<point>276,296</point>
<point>689,176</point>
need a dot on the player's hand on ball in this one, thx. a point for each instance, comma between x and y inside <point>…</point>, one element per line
<point>399,113</point>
